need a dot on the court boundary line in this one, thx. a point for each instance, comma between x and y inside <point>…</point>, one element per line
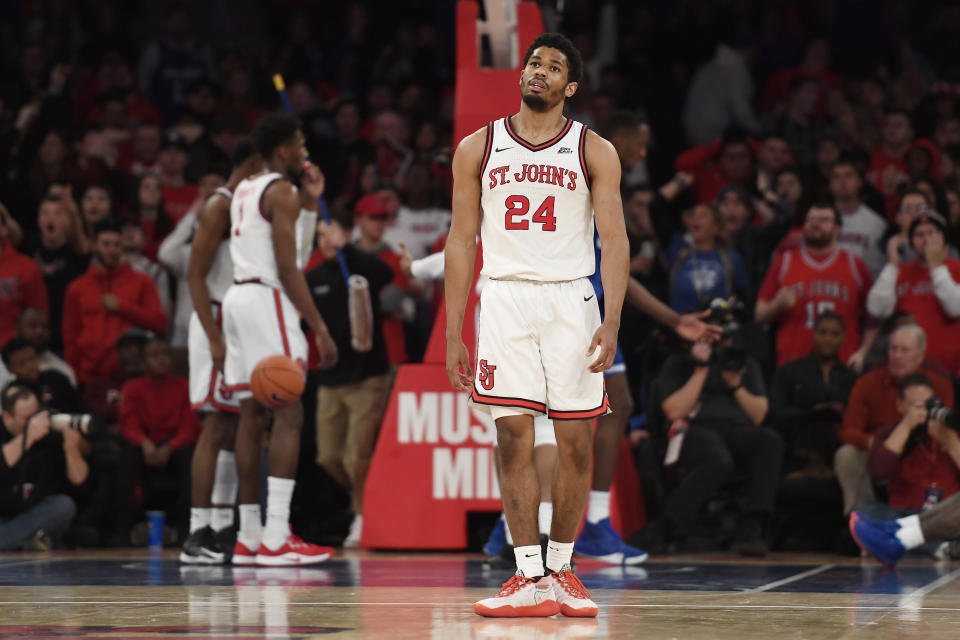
<point>794,578</point>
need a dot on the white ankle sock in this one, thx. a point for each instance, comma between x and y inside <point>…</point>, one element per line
<point>598,507</point>
<point>545,517</point>
<point>279,494</point>
<point>506,530</point>
<point>910,534</point>
<point>222,518</point>
<point>251,526</point>
<point>225,480</point>
<point>558,555</point>
<point>529,561</point>
<point>199,518</point>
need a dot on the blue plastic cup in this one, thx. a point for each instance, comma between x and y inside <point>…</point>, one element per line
<point>155,529</point>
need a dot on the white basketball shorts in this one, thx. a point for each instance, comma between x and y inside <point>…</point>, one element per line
<point>532,345</point>
<point>258,321</point>
<point>207,388</point>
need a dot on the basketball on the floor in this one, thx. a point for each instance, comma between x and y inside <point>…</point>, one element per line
<point>277,381</point>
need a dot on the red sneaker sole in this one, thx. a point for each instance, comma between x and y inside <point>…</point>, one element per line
<point>586,612</point>
<point>545,609</point>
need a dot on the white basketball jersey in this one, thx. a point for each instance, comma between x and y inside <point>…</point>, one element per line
<point>221,271</point>
<point>251,232</point>
<point>537,210</point>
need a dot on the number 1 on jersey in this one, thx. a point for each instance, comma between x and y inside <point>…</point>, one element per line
<point>240,218</point>
<point>815,309</point>
<point>518,206</point>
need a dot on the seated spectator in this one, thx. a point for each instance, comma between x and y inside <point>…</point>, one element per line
<point>132,242</point>
<point>34,327</point>
<point>819,277</point>
<point>807,400</point>
<point>422,219</point>
<point>912,204</point>
<point>926,287</point>
<point>178,194</point>
<point>148,211</point>
<point>140,157</point>
<point>353,394</point>
<point>873,406</point>
<point>916,457</point>
<point>724,409</point>
<point>51,387</point>
<point>160,429</point>
<point>103,303</point>
<point>102,394</point>
<point>704,269</point>
<point>862,226</point>
<point>21,284</point>
<point>38,467</point>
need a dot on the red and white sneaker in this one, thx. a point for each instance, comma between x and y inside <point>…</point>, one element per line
<point>242,555</point>
<point>521,597</point>
<point>573,597</point>
<point>293,552</point>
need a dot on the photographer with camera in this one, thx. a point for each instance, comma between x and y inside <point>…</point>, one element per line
<point>40,462</point>
<point>720,392</point>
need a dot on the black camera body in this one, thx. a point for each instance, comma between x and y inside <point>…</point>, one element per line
<point>727,315</point>
<point>939,412</point>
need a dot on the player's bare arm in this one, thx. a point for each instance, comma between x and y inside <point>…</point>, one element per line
<point>460,253</point>
<point>282,203</point>
<point>604,167</point>
<point>689,326</point>
<point>213,223</point>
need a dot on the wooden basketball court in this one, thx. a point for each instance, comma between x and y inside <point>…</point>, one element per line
<point>415,596</point>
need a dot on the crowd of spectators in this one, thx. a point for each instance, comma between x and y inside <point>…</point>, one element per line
<point>804,158</point>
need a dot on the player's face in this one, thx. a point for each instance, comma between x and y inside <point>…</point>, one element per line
<point>296,155</point>
<point>827,338</point>
<point>543,82</point>
<point>820,228</point>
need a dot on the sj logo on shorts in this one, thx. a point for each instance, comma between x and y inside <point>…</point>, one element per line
<point>485,374</point>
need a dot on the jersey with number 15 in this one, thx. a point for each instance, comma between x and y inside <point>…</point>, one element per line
<point>835,283</point>
<point>537,209</point>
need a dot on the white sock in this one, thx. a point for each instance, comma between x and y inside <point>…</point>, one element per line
<point>598,507</point>
<point>910,534</point>
<point>529,561</point>
<point>506,530</point>
<point>251,526</point>
<point>199,518</point>
<point>222,518</point>
<point>279,494</point>
<point>558,555</point>
<point>545,517</point>
<point>225,480</point>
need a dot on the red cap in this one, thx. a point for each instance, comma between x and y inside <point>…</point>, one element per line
<point>371,205</point>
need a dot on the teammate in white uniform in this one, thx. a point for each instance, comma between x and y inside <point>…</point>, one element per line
<point>213,471</point>
<point>261,317</point>
<point>533,185</point>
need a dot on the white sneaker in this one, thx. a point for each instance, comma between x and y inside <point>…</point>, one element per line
<point>573,597</point>
<point>521,597</point>
<point>352,541</point>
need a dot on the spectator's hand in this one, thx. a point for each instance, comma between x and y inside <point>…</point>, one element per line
<point>893,249</point>
<point>149,452</point>
<point>915,415</point>
<point>458,365</point>
<point>683,180</point>
<point>38,426</point>
<point>72,440</point>
<point>326,348</point>
<point>941,433</point>
<point>641,264</point>
<point>733,378</point>
<point>406,261</point>
<point>701,351</point>
<point>162,456</point>
<point>856,360</point>
<point>110,302</point>
<point>312,182</point>
<point>218,351</point>
<point>935,251</point>
<point>692,327</point>
<point>606,338</point>
<point>637,435</point>
<point>785,298</point>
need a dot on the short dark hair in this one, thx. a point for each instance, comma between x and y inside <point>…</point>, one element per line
<point>620,122</point>
<point>912,191</point>
<point>12,346</point>
<point>826,204</point>
<point>107,225</point>
<point>561,43</point>
<point>12,394</point>
<point>273,131</point>
<point>243,151</point>
<point>830,315</point>
<point>913,380</point>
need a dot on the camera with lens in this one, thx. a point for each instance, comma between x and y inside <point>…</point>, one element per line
<point>77,421</point>
<point>939,412</point>
<point>727,314</point>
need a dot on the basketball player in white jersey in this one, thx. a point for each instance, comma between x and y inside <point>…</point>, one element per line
<point>532,185</point>
<point>213,485</point>
<point>261,317</point>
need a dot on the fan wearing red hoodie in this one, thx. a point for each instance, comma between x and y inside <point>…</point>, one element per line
<point>103,303</point>
<point>21,284</point>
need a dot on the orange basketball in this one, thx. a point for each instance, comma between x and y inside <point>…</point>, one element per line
<point>277,381</point>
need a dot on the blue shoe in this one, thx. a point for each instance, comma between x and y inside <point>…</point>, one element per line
<point>497,540</point>
<point>881,541</point>
<point>600,541</point>
<point>884,525</point>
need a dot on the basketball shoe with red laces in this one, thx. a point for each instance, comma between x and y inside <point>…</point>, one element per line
<point>243,555</point>
<point>573,597</point>
<point>521,597</point>
<point>293,552</point>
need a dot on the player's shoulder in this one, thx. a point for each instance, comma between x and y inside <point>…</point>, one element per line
<point>474,142</point>
<point>595,142</point>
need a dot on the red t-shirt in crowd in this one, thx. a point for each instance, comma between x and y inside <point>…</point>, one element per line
<point>886,174</point>
<point>21,287</point>
<point>837,283</point>
<point>158,410</point>
<point>915,296</point>
<point>177,201</point>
